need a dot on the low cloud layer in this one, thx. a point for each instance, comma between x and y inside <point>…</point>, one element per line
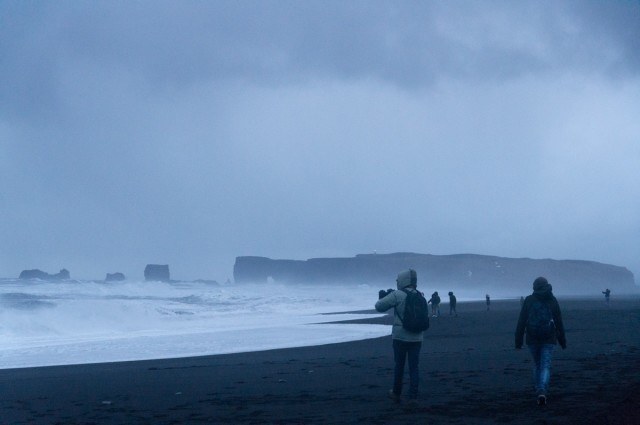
<point>190,133</point>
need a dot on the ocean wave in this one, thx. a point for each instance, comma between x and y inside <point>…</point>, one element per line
<point>38,318</point>
<point>22,301</point>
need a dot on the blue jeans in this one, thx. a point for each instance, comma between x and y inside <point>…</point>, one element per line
<point>541,354</point>
<point>401,351</point>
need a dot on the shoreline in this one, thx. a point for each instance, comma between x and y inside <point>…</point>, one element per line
<point>584,302</point>
<point>470,374</point>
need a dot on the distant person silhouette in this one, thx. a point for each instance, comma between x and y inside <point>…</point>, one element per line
<point>607,295</point>
<point>540,317</point>
<point>488,298</point>
<point>452,304</point>
<point>435,304</point>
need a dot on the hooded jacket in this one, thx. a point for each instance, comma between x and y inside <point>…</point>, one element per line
<point>542,291</point>
<point>406,280</point>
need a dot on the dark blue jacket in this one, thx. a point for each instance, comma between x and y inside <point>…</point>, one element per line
<point>542,293</point>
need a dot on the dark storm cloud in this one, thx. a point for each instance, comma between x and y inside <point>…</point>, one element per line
<point>407,43</point>
<point>613,29</point>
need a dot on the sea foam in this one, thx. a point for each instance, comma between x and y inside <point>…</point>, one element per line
<point>56,323</point>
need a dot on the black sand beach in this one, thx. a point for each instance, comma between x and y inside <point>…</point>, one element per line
<point>470,374</point>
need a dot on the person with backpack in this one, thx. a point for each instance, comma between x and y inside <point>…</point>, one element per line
<point>411,319</point>
<point>540,317</point>
<point>435,304</point>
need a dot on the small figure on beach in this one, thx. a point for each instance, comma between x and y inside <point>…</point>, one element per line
<point>521,301</point>
<point>607,295</point>
<point>452,304</point>
<point>406,344</point>
<point>488,298</point>
<point>435,304</point>
<point>540,317</point>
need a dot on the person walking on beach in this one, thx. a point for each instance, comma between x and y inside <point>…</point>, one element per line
<point>488,298</point>
<point>540,317</point>
<point>435,304</point>
<point>452,304</point>
<point>406,344</point>
<point>607,295</point>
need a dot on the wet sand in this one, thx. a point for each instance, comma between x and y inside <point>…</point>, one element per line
<point>470,374</point>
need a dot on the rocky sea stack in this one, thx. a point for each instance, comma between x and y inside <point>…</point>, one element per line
<point>157,272</point>
<point>39,274</point>
<point>114,277</point>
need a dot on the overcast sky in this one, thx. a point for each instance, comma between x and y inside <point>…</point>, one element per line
<point>191,132</point>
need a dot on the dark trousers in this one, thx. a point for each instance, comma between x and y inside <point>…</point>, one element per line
<point>401,351</point>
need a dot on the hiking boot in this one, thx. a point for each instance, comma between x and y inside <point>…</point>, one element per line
<point>542,400</point>
<point>393,396</point>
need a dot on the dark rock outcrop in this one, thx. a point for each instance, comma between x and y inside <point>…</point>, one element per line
<point>114,277</point>
<point>461,271</point>
<point>157,272</point>
<point>39,274</point>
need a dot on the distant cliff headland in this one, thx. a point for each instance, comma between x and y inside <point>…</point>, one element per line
<point>442,272</point>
